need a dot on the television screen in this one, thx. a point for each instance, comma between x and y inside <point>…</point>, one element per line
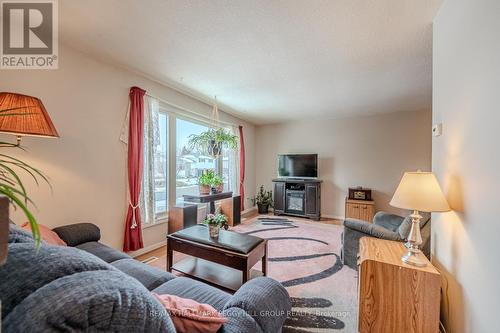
<point>298,165</point>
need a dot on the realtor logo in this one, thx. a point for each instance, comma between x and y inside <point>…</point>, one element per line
<point>29,36</point>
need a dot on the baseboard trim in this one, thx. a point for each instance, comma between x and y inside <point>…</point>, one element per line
<point>335,217</point>
<point>147,249</point>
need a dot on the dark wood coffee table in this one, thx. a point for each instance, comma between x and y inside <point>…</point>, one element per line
<point>225,262</point>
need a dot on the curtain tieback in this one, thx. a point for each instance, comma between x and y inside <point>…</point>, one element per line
<point>134,223</point>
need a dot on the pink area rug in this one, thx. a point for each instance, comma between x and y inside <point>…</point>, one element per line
<point>305,257</point>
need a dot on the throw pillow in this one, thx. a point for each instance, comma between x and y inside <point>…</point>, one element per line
<point>190,316</point>
<point>47,234</point>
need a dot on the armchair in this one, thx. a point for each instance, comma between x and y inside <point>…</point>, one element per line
<point>385,226</point>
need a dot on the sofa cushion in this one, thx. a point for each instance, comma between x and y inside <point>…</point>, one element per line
<point>265,299</point>
<point>102,251</point>
<point>239,321</point>
<point>78,233</point>
<point>192,289</point>
<point>19,235</point>
<point>149,276</point>
<point>94,301</point>
<point>28,269</point>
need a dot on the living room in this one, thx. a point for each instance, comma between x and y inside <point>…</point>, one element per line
<point>362,123</point>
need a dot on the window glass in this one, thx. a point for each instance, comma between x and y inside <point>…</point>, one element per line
<point>189,163</point>
<point>161,169</point>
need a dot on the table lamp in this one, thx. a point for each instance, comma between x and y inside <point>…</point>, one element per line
<point>22,115</point>
<point>418,191</point>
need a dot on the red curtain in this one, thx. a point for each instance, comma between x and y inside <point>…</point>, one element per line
<point>133,232</point>
<point>242,169</point>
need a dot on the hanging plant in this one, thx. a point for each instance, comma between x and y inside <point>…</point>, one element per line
<point>213,141</point>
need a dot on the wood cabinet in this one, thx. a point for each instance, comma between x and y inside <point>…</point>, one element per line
<point>231,207</point>
<point>360,209</point>
<point>312,200</point>
<point>182,216</point>
<point>279,197</point>
<point>395,297</point>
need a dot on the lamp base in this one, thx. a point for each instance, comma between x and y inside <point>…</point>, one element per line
<point>414,258</point>
<point>414,255</point>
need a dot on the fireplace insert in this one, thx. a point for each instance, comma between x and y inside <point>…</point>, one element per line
<point>295,202</point>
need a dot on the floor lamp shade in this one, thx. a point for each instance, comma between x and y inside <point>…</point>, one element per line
<point>24,115</point>
<point>420,191</point>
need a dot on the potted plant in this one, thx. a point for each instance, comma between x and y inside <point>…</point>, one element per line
<point>205,182</point>
<point>214,223</point>
<point>217,184</point>
<point>263,200</point>
<point>210,182</point>
<point>212,141</point>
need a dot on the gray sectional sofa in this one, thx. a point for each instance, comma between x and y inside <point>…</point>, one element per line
<point>101,289</point>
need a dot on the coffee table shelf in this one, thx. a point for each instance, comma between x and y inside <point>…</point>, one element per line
<point>213,273</point>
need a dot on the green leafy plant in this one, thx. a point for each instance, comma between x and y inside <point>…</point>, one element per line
<point>263,197</point>
<point>212,141</point>
<point>217,219</point>
<point>209,178</point>
<point>11,184</point>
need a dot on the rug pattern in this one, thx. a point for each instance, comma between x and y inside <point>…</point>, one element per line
<point>305,257</point>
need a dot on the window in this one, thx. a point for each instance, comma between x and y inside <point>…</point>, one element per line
<point>229,168</point>
<point>189,164</point>
<point>154,198</point>
<point>161,168</point>
<point>165,182</point>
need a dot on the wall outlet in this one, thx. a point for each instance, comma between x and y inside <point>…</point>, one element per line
<point>437,129</point>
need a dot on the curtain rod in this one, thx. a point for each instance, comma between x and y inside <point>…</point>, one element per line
<point>189,111</point>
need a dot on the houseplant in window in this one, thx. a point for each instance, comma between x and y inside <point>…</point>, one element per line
<point>210,182</point>
<point>214,223</point>
<point>263,200</point>
<point>212,141</point>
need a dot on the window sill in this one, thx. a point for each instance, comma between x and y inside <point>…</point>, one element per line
<point>158,222</point>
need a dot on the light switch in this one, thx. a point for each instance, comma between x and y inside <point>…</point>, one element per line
<point>437,129</point>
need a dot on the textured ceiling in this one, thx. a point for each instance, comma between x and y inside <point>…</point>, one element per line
<point>267,60</point>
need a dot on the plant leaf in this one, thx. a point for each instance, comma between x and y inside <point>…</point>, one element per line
<point>35,230</point>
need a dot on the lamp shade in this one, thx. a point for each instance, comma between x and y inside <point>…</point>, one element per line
<point>24,115</point>
<point>420,191</point>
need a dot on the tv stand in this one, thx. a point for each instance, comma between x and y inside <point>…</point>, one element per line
<point>297,197</point>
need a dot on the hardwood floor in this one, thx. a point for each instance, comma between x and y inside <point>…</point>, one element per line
<point>162,251</point>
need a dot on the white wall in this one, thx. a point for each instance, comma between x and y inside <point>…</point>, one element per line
<point>466,159</point>
<point>370,151</point>
<point>87,101</point>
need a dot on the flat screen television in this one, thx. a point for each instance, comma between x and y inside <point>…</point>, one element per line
<point>298,166</point>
